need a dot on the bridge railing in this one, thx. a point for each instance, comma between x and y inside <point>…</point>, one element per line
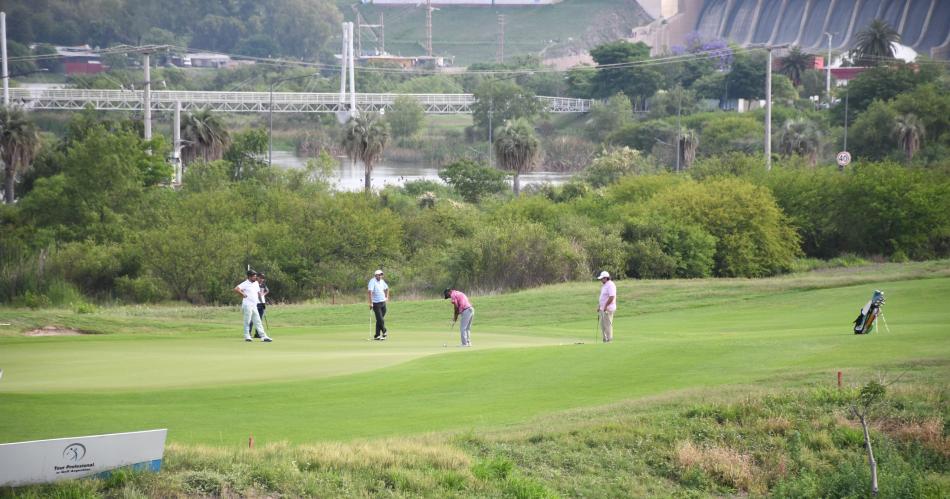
<point>259,101</point>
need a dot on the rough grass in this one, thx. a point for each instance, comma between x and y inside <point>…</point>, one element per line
<point>768,441</point>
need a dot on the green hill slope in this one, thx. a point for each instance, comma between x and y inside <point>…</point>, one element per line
<point>470,34</point>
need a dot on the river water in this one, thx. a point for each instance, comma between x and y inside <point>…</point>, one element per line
<point>349,176</point>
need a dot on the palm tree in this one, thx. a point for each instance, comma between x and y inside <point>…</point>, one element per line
<point>689,142</point>
<point>910,132</point>
<point>204,136</point>
<point>795,64</point>
<point>365,139</point>
<point>19,142</point>
<point>802,138</point>
<point>516,149</point>
<point>875,43</point>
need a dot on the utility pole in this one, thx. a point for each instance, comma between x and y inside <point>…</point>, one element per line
<point>429,28</point>
<point>3,49</point>
<point>382,34</point>
<point>768,113</point>
<point>500,52</point>
<point>353,110</point>
<point>176,144</point>
<point>679,131</point>
<point>828,72</point>
<point>147,105</point>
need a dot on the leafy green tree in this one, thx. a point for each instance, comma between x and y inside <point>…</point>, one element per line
<point>247,153</point>
<point>731,132</point>
<point>498,101</point>
<point>580,81</point>
<point>405,117</point>
<point>800,137</point>
<point>910,132</point>
<point>516,148</point>
<point>633,79</point>
<point>364,139</point>
<point>711,86</point>
<point>473,181</point>
<point>871,136</point>
<point>930,103</point>
<point>101,186</point>
<point>204,136</point>
<point>880,83</point>
<point>795,63</point>
<point>605,117</point>
<point>218,33</point>
<point>613,165</point>
<point>875,43</point>
<point>20,63</point>
<point>19,142</point>
<point>746,80</point>
<point>677,100</point>
<point>753,237</point>
<point>813,83</point>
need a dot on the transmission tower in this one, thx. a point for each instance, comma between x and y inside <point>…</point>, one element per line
<point>360,24</point>
<point>500,51</point>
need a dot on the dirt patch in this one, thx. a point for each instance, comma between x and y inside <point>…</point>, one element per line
<point>54,331</point>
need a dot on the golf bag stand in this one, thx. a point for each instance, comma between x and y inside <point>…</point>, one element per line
<point>864,324</point>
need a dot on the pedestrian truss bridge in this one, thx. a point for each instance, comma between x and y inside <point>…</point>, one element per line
<point>257,102</point>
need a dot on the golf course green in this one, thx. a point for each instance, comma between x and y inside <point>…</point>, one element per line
<point>535,353</point>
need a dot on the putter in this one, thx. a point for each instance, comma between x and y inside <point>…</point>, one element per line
<point>597,328</point>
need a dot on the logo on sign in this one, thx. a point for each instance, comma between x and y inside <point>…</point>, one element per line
<point>74,452</point>
<point>844,158</point>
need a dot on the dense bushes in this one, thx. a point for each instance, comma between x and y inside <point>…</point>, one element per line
<point>96,225</point>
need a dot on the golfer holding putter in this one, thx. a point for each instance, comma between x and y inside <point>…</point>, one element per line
<point>378,293</point>
<point>250,291</point>
<point>464,308</point>
<point>607,306</point>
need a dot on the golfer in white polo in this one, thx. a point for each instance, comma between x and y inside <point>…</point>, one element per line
<point>250,291</point>
<point>607,306</point>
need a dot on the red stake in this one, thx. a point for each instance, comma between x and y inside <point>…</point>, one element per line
<point>250,441</point>
<point>839,379</point>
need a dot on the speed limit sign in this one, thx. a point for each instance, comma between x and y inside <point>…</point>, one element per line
<point>844,158</point>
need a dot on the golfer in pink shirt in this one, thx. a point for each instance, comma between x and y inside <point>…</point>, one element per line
<point>464,309</point>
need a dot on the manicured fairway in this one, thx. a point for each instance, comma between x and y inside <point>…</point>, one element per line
<point>188,369</point>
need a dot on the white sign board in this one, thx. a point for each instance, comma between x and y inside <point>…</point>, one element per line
<point>42,461</point>
<point>844,158</point>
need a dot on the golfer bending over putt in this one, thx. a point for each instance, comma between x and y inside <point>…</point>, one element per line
<point>251,292</point>
<point>464,308</point>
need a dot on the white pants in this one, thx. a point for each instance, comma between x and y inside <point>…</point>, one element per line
<point>465,325</point>
<point>251,315</point>
<point>607,325</point>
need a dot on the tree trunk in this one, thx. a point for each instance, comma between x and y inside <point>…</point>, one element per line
<point>871,462</point>
<point>367,187</point>
<point>8,183</point>
<point>517,184</point>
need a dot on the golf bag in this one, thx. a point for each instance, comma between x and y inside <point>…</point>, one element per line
<point>864,324</point>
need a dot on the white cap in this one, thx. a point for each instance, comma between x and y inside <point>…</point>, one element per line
<point>378,272</point>
<point>604,274</point>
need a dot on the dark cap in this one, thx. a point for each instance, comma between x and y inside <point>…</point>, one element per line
<point>446,293</point>
<point>251,272</point>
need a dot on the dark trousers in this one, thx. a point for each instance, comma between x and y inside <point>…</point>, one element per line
<point>379,310</point>
<point>260,310</point>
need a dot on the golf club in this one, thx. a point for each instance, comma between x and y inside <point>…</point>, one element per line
<point>597,334</point>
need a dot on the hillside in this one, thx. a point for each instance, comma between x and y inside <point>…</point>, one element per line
<point>470,34</point>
